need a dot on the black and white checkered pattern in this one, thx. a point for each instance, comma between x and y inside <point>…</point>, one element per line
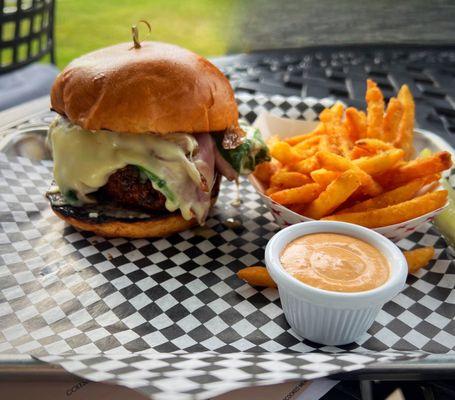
<point>294,107</point>
<point>206,375</point>
<point>169,316</point>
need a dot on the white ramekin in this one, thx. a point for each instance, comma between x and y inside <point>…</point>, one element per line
<point>327,317</point>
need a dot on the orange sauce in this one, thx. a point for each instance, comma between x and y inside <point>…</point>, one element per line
<point>335,262</point>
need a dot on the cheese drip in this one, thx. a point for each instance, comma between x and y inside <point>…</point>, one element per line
<point>84,160</point>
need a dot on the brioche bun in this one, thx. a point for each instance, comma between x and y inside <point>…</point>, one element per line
<point>95,220</point>
<point>153,227</point>
<point>157,88</point>
<point>156,227</point>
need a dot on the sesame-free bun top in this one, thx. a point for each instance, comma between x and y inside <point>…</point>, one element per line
<point>157,88</point>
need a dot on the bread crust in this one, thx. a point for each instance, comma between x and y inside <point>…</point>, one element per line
<point>158,88</point>
<point>162,227</point>
<point>153,227</point>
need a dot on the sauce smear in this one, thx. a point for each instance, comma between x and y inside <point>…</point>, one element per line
<point>334,262</point>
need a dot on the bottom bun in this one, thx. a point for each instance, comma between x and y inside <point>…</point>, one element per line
<point>160,227</point>
<point>110,221</point>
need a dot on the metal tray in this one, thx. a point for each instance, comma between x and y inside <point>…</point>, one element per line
<point>28,140</point>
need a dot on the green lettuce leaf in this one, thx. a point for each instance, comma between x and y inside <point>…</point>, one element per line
<point>161,183</point>
<point>246,156</point>
<point>71,197</point>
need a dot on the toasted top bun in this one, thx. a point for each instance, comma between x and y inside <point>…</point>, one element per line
<point>157,88</point>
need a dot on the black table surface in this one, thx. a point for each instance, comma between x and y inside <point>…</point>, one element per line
<point>341,72</point>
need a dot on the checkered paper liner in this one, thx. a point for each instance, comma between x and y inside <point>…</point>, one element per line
<point>168,316</point>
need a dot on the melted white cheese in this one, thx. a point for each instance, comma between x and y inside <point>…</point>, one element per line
<point>84,160</point>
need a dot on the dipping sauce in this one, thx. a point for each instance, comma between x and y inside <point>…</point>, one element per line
<point>339,263</point>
